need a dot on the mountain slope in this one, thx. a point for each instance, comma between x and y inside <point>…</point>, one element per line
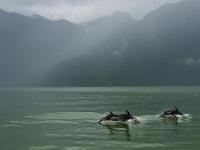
<point>30,46</point>
<point>161,49</point>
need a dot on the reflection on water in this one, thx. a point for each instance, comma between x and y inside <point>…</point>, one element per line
<point>118,129</point>
<point>172,121</point>
<point>176,121</point>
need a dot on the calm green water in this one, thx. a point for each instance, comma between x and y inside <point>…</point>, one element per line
<point>65,118</point>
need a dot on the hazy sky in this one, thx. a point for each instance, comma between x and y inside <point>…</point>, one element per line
<point>81,10</point>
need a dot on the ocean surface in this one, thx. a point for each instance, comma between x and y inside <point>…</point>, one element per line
<point>65,118</point>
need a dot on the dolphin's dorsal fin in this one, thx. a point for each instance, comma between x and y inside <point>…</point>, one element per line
<point>176,108</point>
<point>111,113</point>
<point>128,113</point>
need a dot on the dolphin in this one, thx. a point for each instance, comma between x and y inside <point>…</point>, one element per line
<point>173,112</point>
<point>118,117</point>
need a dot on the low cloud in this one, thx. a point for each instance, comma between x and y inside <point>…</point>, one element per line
<point>81,10</point>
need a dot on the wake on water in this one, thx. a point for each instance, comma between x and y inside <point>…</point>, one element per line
<point>144,119</point>
<point>90,117</point>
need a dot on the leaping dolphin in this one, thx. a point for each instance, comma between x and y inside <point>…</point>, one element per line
<point>173,112</point>
<point>118,117</point>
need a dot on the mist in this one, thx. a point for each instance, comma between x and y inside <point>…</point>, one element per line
<point>82,10</point>
<point>117,49</point>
